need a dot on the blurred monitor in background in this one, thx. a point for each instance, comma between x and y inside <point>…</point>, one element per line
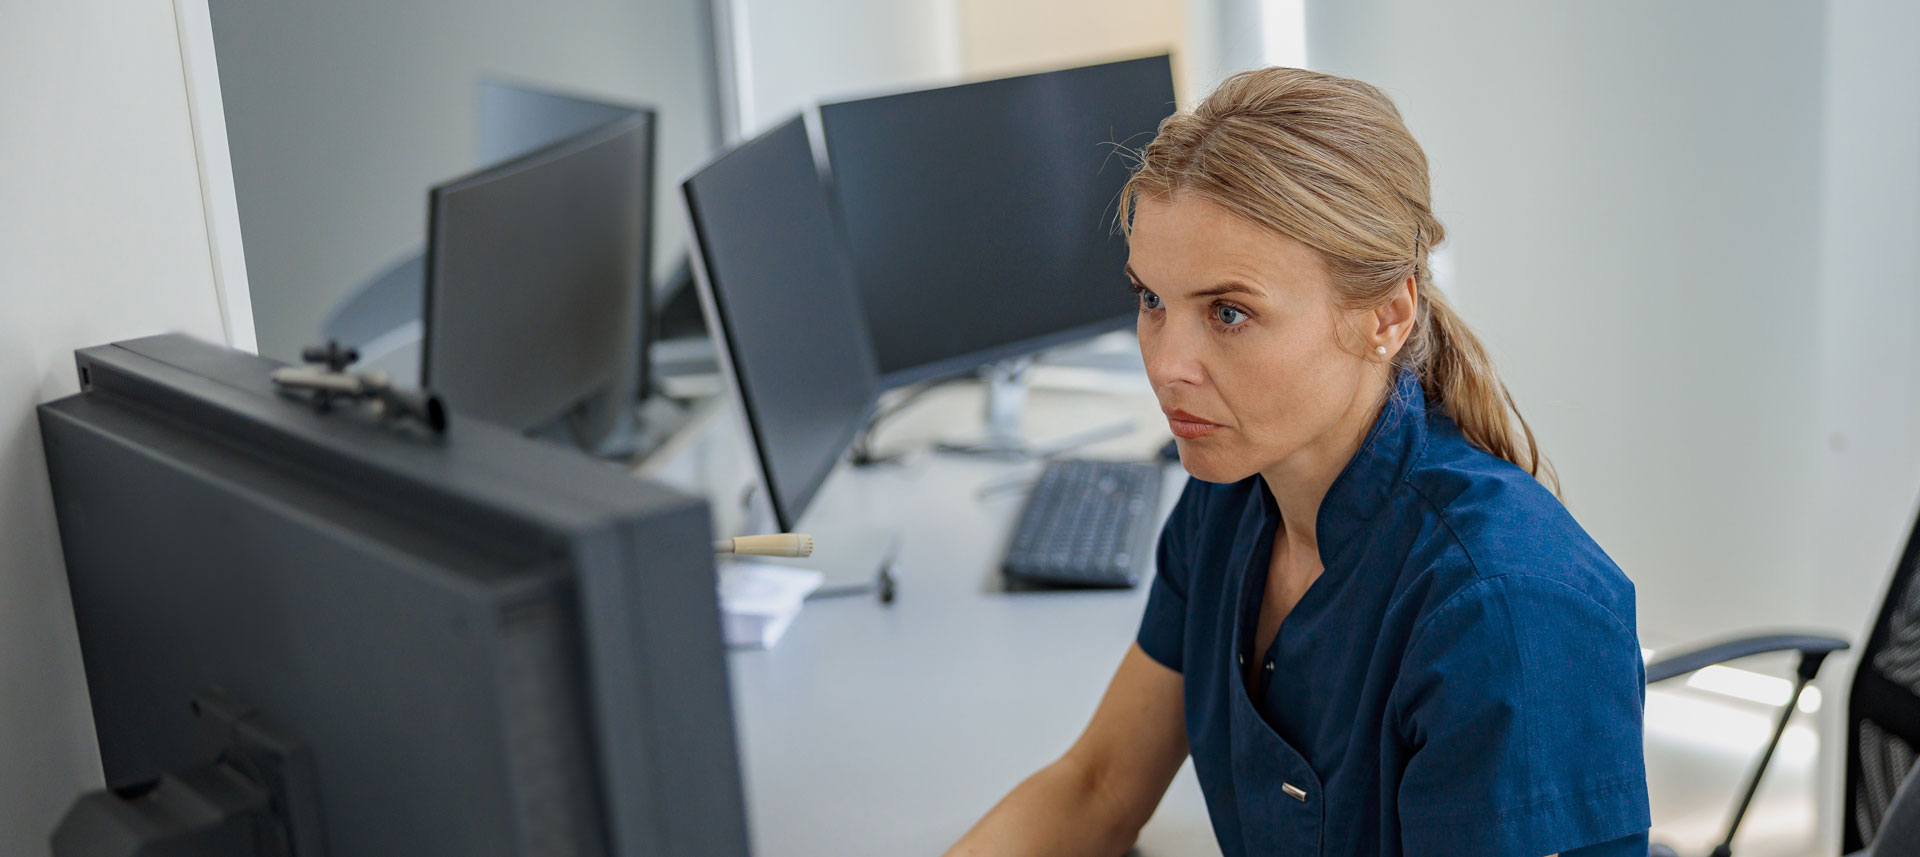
<point>571,250</point>
<point>980,218</point>
<point>535,285</point>
<point>780,295</point>
<point>515,119</point>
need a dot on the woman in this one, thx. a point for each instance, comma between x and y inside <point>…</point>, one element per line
<point>1373,627</point>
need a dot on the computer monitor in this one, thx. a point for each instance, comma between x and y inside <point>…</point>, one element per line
<point>980,218</point>
<point>514,119</point>
<point>470,644</point>
<point>779,294</point>
<point>535,284</point>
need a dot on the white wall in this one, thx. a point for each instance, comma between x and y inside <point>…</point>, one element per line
<point>1632,196</point>
<point>1867,455</point>
<point>103,236</point>
<point>788,55</point>
<point>342,113</point>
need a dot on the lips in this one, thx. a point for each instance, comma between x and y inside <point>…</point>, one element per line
<point>1186,426</point>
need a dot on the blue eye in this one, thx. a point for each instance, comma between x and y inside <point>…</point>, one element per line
<point>1228,315</point>
<point>1148,300</point>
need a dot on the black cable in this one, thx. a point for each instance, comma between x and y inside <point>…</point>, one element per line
<point>861,450</point>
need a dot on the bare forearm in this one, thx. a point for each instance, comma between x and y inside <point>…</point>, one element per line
<point>1058,811</point>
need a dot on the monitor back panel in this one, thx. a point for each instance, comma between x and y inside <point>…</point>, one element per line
<point>535,281</point>
<point>493,647</point>
<point>406,661</point>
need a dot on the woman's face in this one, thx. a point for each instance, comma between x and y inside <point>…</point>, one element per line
<point>1247,351</point>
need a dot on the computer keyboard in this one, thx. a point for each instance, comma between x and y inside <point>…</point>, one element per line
<point>1087,523</point>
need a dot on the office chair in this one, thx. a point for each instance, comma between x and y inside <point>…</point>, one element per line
<point>1883,718</point>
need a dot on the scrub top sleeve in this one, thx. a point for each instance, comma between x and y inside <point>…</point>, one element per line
<point>1164,625</point>
<point>1521,702</point>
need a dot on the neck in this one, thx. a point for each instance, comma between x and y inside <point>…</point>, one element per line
<point>1300,481</point>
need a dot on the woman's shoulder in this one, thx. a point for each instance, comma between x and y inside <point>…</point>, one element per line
<point>1498,521</point>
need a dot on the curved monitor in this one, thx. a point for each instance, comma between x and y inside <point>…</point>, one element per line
<point>980,218</point>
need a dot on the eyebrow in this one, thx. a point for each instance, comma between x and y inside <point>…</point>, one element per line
<point>1228,288</point>
<point>1225,288</point>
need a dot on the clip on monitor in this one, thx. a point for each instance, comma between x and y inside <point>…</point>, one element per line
<point>980,218</point>
<point>535,285</point>
<point>779,294</point>
<point>309,632</point>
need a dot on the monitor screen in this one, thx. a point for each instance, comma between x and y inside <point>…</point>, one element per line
<point>535,281</point>
<point>780,294</point>
<point>980,218</point>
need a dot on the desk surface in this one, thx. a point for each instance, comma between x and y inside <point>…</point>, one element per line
<point>876,730</point>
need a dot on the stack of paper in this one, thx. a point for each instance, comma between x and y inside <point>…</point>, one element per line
<point>759,600</point>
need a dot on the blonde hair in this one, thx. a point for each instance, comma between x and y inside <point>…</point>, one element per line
<point>1328,162</point>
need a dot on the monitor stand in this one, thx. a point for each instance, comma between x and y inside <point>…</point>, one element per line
<point>869,553</point>
<point>258,797</point>
<point>1007,385</point>
<point>853,551</point>
<point>637,433</point>
<point>854,561</point>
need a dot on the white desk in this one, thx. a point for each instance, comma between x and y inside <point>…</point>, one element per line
<point>877,730</point>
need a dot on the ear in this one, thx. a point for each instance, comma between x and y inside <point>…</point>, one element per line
<point>1392,322</point>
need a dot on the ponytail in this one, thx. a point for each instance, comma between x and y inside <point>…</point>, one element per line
<point>1456,374</point>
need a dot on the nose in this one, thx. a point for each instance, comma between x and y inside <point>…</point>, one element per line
<point>1172,352</point>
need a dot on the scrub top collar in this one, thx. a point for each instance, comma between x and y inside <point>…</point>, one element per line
<point>1361,491</point>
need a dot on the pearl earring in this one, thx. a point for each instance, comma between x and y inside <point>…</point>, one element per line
<point>1380,350</point>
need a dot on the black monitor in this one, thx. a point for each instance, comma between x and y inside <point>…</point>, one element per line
<point>779,293</point>
<point>980,218</point>
<point>517,118</point>
<point>319,628</point>
<point>536,275</point>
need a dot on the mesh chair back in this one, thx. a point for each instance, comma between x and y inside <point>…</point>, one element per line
<point>1883,710</point>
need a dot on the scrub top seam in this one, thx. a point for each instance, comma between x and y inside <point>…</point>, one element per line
<point>1413,640</point>
<point>1441,513</point>
<point>1510,816</point>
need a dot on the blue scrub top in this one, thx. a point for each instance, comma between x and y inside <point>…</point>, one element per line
<point>1464,678</point>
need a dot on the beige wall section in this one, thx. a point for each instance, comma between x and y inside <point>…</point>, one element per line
<point>103,236</point>
<point>1003,37</point>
